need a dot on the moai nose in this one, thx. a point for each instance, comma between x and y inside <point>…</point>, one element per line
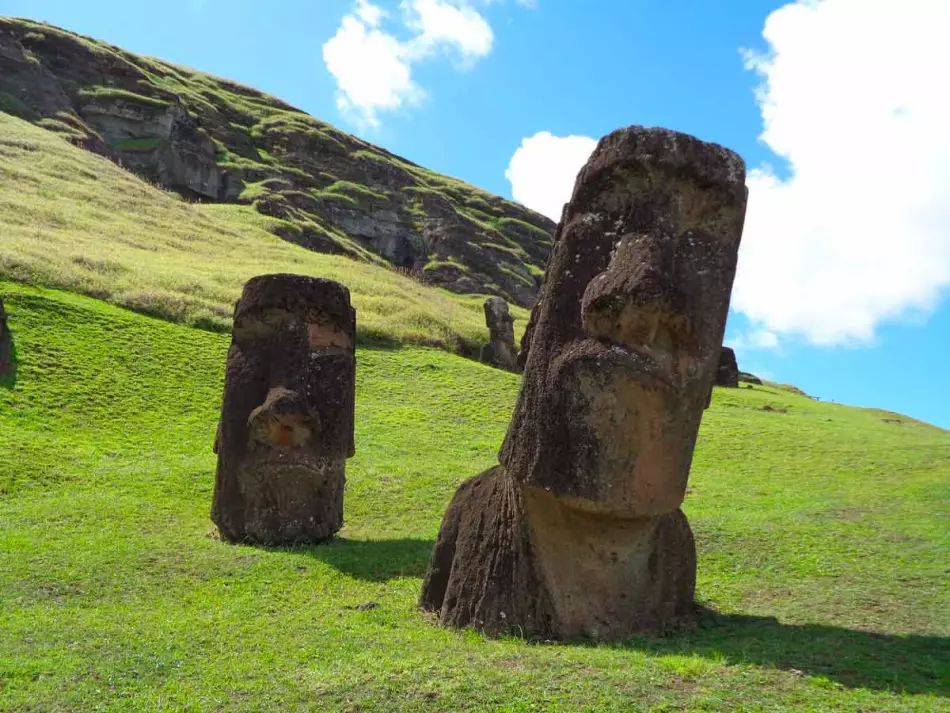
<point>283,420</point>
<point>636,300</point>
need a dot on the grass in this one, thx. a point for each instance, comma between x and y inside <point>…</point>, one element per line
<point>73,220</point>
<point>822,545</point>
<point>105,92</point>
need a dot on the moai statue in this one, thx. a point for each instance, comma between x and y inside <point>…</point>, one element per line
<point>578,532</point>
<point>500,351</point>
<point>6,344</point>
<point>286,425</point>
<point>728,372</point>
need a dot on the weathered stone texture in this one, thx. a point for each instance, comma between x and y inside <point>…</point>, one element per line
<point>578,531</point>
<point>287,415</point>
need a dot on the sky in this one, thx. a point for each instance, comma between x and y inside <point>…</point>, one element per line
<point>840,109</point>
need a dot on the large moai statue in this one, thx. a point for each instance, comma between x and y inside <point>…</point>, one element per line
<point>6,344</point>
<point>578,532</point>
<point>287,416</point>
<point>500,351</point>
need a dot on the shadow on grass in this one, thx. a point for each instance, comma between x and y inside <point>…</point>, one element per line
<point>851,658</point>
<point>373,560</point>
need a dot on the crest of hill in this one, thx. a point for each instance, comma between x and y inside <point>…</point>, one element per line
<point>212,140</point>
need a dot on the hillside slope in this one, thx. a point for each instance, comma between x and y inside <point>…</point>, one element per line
<point>213,140</point>
<point>72,219</point>
<point>822,543</point>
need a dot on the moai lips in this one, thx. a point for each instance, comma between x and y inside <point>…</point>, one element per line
<point>621,353</point>
<point>287,416</point>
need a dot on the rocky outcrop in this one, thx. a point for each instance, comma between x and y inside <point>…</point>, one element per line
<point>211,139</point>
<point>500,352</point>
<point>159,141</point>
<point>287,416</point>
<point>728,372</point>
<point>578,532</point>
<point>747,378</point>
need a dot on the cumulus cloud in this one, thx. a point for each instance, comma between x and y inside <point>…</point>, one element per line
<point>543,169</point>
<point>373,67</point>
<point>854,97</point>
<point>441,25</point>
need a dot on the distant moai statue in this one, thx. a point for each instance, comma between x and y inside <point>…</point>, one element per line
<point>287,415</point>
<point>500,351</point>
<point>578,532</point>
<point>728,372</point>
<point>6,344</point>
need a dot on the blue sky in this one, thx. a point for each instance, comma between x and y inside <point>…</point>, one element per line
<point>839,108</point>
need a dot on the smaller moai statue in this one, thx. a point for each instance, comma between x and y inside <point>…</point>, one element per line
<point>500,351</point>
<point>287,415</point>
<point>728,372</point>
<point>6,344</point>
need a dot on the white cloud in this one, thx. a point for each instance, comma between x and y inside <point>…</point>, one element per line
<point>543,169</point>
<point>373,68</point>
<point>370,14</point>
<point>855,97</point>
<point>456,27</point>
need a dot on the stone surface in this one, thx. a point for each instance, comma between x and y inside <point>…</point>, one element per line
<point>286,425</point>
<point>500,351</point>
<point>6,344</point>
<point>578,531</point>
<point>211,139</point>
<point>748,378</point>
<point>162,142</point>
<point>728,373</point>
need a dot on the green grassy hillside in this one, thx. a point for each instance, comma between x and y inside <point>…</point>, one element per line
<point>74,220</point>
<point>822,532</point>
<point>212,139</point>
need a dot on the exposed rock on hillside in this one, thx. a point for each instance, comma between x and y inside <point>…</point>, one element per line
<point>212,139</point>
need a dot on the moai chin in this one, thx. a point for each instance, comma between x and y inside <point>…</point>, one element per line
<point>287,416</point>
<point>578,531</point>
<point>500,351</point>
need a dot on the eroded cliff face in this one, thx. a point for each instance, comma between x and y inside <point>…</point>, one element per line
<point>211,139</point>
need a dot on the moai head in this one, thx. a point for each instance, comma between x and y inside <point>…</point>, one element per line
<point>498,320</point>
<point>626,334</point>
<point>288,410</point>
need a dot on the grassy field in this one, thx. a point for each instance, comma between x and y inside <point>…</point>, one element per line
<point>822,531</point>
<point>74,220</point>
